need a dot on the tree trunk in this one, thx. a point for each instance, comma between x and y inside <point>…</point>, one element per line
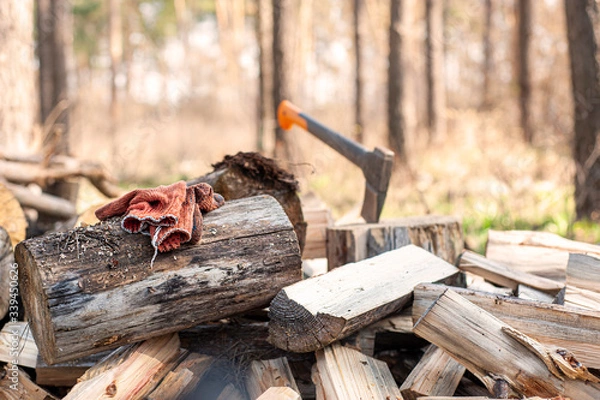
<point>488,56</point>
<point>359,33</point>
<point>582,29</point>
<point>283,49</point>
<point>17,103</point>
<point>436,86</point>
<point>91,289</point>
<point>524,15</point>
<point>265,117</point>
<point>116,51</point>
<point>398,96</point>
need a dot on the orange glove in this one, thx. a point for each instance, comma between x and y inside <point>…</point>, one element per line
<point>171,215</point>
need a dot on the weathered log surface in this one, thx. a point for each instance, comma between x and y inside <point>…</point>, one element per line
<point>91,289</point>
<point>315,312</point>
<point>440,235</point>
<point>501,356</point>
<point>551,324</point>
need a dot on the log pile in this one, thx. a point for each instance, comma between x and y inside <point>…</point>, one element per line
<point>403,313</point>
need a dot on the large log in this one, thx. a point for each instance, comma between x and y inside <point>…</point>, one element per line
<point>440,235</point>
<point>505,360</point>
<point>313,313</point>
<point>93,288</point>
<point>551,324</point>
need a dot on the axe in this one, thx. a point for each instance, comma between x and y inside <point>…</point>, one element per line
<point>376,165</point>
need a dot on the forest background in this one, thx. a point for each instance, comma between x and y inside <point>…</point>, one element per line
<point>483,124</point>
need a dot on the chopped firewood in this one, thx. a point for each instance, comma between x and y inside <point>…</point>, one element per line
<point>551,324</point>
<point>440,235</point>
<point>251,174</point>
<point>437,374</point>
<point>318,220</point>
<point>503,358</point>
<point>342,373</point>
<point>91,289</point>
<point>539,253</point>
<point>183,379</point>
<point>231,392</point>
<point>9,277</point>
<point>583,271</point>
<point>476,282</point>
<point>528,293</point>
<point>502,275</point>
<point>264,374</point>
<point>15,384</point>
<point>313,313</point>
<point>17,345</point>
<point>131,372</point>
<point>12,218</point>
<point>280,393</point>
<point>582,298</point>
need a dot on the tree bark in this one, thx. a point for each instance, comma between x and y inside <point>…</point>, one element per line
<point>436,82</point>
<point>116,53</point>
<point>283,49</point>
<point>94,288</point>
<point>397,125</point>
<point>265,117</point>
<point>17,103</point>
<point>524,15</point>
<point>582,30</point>
<point>360,17</point>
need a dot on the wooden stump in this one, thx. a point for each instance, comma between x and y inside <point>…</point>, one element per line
<point>439,235</point>
<point>93,288</point>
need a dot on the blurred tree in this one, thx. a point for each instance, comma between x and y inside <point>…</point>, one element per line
<point>360,20</point>
<point>54,31</point>
<point>264,34</point>
<point>115,43</point>
<point>283,49</point>
<point>17,102</point>
<point>524,12</point>
<point>436,83</point>
<point>397,91</point>
<point>583,31</point>
<point>488,55</point>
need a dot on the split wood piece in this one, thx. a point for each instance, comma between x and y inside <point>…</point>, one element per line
<point>539,253</point>
<point>441,235</point>
<point>67,373</point>
<point>264,374</point>
<point>502,275</point>
<point>131,372</point>
<point>251,174</point>
<point>551,324</point>
<point>437,374</point>
<point>527,293</point>
<point>582,298</point>
<point>17,345</point>
<point>15,384</point>
<point>505,360</point>
<point>318,220</point>
<point>231,392</point>
<point>583,271</point>
<point>342,373</point>
<point>280,393</point>
<point>9,277</point>
<point>59,168</point>
<point>476,282</point>
<point>183,379</point>
<point>12,218</point>
<point>43,202</point>
<point>91,289</point>
<point>315,312</point>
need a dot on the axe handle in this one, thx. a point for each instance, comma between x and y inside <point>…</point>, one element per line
<point>288,115</point>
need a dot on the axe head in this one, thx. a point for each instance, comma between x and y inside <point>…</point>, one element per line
<point>377,168</point>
